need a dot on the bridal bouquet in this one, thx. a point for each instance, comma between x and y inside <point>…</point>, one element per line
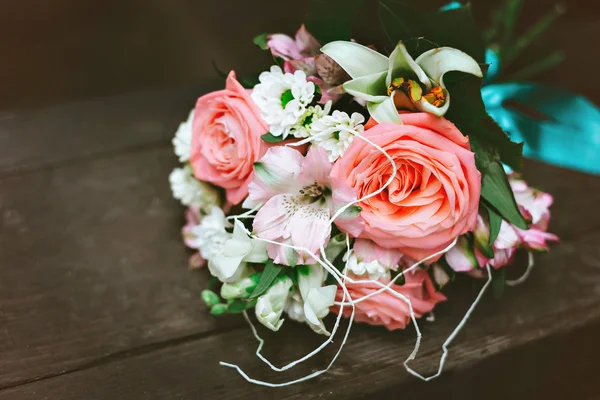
<point>356,179</point>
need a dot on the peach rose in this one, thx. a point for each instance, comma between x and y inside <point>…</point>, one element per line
<point>226,139</point>
<point>433,198</point>
<point>385,308</point>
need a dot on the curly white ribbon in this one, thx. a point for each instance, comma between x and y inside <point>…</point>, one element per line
<point>341,278</point>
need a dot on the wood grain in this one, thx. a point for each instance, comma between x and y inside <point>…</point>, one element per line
<point>92,265</point>
<point>561,298</point>
<point>75,131</point>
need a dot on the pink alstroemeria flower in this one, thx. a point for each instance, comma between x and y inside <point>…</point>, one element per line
<point>534,205</point>
<point>302,53</point>
<point>297,202</point>
<point>304,45</point>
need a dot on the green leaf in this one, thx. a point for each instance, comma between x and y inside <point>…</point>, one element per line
<point>495,221</point>
<point>261,41</point>
<point>330,20</point>
<point>498,282</point>
<point>267,278</point>
<point>467,111</point>
<point>236,306</point>
<point>529,71</point>
<point>532,35</point>
<point>249,82</point>
<point>496,190</point>
<point>400,21</point>
<point>456,28</point>
<point>210,298</point>
<point>255,278</point>
<point>303,269</point>
<point>269,138</point>
<point>218,70</point>
<point>219,309</point>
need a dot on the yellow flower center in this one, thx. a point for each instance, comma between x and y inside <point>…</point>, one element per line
<point>436,96</point>
<point>413,90</point>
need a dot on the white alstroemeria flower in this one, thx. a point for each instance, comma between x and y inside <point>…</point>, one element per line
<point>192,192</point>
<point>270,305</point>
<point>317,298</point>
<point>334,132</point>
<point>295,307</point>
<point>283,100</point>
<point>182,142</point>
<point>399,82</point>
<point>335,246</point>
<point>230,262</point>
<point>210,235</point>
<point>373,269</point>
<point>242,288</point>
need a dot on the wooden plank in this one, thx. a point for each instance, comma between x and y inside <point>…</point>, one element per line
<point>29,139</point>
<point>93,264</point>
<point>575,197</point>
<point>560,302</point>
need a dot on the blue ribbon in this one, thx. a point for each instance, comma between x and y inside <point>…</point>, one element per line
<point>565,130</point>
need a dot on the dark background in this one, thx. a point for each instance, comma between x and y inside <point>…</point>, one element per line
<point>58,50</point>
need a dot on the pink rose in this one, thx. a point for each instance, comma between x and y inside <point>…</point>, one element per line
<point>435,195</point>
<point>226,139</point>
<point>385,308</point>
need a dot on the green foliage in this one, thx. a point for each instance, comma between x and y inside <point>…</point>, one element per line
<point>495,221</point>
<point>496,190</point>
<point>269,138</point>
<point>261,41</point>
<point>267,278</point>
<point>400,21</point>
<point>219,309</point>
<point>236,306</point>
<point>532,35</point>
<point>454,28</point>
<point>498,282</point>
<point>303,269</point>
<point>330,20</point>
<point>210,298</point>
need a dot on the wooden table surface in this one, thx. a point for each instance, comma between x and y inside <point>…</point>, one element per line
<point>96,301</point>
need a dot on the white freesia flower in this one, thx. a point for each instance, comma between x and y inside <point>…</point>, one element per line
<point>192,192</point>
<point>334,132</point>
<point>270,305</point>
<point>283,99</point>
<point>182,142</point>
<point>229,263</point>
<point>373,270</point>
<point>210,235</point>
<point>312,301</point>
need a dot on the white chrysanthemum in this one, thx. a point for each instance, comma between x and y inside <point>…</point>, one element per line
<point>182,142</point>
<point>312,114</point>
<point>209,236</point>
<point>373,270</point>
<point>283,99</point>
<point>192,192</point>
<point>334,132</point>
